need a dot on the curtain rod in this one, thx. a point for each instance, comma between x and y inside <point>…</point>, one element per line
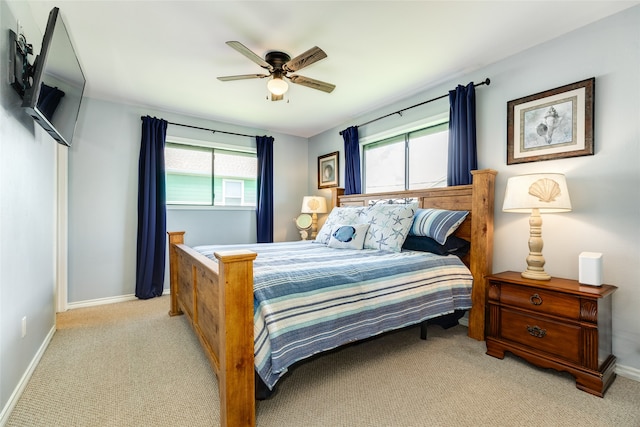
<point>210,130</point>
<point>487,82</point>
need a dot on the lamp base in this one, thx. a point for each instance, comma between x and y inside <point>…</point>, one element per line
<point>535,275</point>
<point>535,260</point>
<point>314,225</point>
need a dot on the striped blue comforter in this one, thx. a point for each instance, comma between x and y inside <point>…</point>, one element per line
<point>309,298</point>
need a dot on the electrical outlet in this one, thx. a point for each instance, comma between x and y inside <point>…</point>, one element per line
<point>24,326</point>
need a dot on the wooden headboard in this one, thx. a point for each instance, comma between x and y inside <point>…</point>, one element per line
<point>478,199</point>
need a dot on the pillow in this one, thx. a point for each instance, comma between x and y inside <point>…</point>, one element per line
<point>454,245</point>
<point>348,236</point>
<point>437,223</point>
<point>339,215</point>
<point>388,226</point>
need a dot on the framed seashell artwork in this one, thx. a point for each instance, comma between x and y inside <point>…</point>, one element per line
<point>554,124</point>
<point>328,170</point>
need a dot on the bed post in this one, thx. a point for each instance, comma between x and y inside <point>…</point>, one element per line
<point>481,259</point>
<point>336,192</point>
<point>175,238</point>
<point>236,377</point>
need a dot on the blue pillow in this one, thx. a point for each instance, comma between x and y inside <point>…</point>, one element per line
<point>454,245</point>
<point>436,223</point>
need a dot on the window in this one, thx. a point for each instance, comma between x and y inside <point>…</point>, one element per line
<point>207,176</point>
<point>409,161</point>
<point>232,192</point>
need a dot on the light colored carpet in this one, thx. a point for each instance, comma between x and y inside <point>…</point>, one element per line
<point>130,364</point>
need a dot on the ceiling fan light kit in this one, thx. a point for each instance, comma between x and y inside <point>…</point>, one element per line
<point>277,86</point>
<point>279,65</point>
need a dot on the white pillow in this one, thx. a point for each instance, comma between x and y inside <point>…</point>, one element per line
<point>389,225</point>
<point>339,215</point>
<point>348,236</point>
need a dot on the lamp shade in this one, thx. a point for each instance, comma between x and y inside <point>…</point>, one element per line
<point>314,204</point>
<point>544,191</point>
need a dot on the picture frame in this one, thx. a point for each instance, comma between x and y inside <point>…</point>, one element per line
<point>554,124</point>
<point>328,170</point>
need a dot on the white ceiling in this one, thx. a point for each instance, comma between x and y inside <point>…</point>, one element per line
<point>167,54</point>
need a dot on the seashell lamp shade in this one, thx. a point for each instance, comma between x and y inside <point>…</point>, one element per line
<point>535,194</point>
<point>314,204</point>
<point>545,191</point>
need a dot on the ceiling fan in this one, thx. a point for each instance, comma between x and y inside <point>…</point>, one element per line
<point>279,65</point>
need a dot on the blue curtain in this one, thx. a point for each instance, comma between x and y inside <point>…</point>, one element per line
<point>264,209</point>
<point>152,216</point>
<point>352,180</point>
<point>463,156</point>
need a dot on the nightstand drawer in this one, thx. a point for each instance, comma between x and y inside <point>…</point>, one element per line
<point>540,300</point>
<point>560,339</point>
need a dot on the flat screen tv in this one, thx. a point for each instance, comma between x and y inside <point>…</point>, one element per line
<point>54,98</point>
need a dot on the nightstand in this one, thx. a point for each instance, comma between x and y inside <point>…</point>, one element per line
<point>556,323</point>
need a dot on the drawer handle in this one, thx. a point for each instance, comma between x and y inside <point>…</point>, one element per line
<point>535,299</point>
<point>536,331</point>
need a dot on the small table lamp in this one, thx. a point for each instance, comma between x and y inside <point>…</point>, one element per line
<point>536,193</point>
<point>314,205</point>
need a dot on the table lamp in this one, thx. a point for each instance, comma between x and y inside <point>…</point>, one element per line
<point>535,194</point>
<point>314,205</point>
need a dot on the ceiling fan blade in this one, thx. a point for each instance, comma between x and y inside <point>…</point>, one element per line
<point>312,83</point>
<point>249,54</point>
<point>242,77</point>
<point>305,59</point>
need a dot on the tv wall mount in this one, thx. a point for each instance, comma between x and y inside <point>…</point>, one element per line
<point>21,71</point>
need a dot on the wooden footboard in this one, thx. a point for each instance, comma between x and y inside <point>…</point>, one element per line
<point>218,301</point>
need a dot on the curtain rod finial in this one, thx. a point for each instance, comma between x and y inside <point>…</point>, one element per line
<point>487,81</point>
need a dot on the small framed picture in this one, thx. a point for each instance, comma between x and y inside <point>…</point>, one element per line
<point>328,170</point>
<point>550,125</point>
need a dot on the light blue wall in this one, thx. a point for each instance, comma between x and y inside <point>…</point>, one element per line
<point>27,222</point>
<point>605,188</point>
<point>103,168</point>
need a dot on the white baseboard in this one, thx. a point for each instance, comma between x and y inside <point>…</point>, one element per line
<point>22,384</point>
<point>628,372</point>
<point>100,301</point>
<point>464,320</point>
<point>108,300</point>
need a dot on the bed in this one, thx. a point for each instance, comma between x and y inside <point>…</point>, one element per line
<point>216,293</point>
